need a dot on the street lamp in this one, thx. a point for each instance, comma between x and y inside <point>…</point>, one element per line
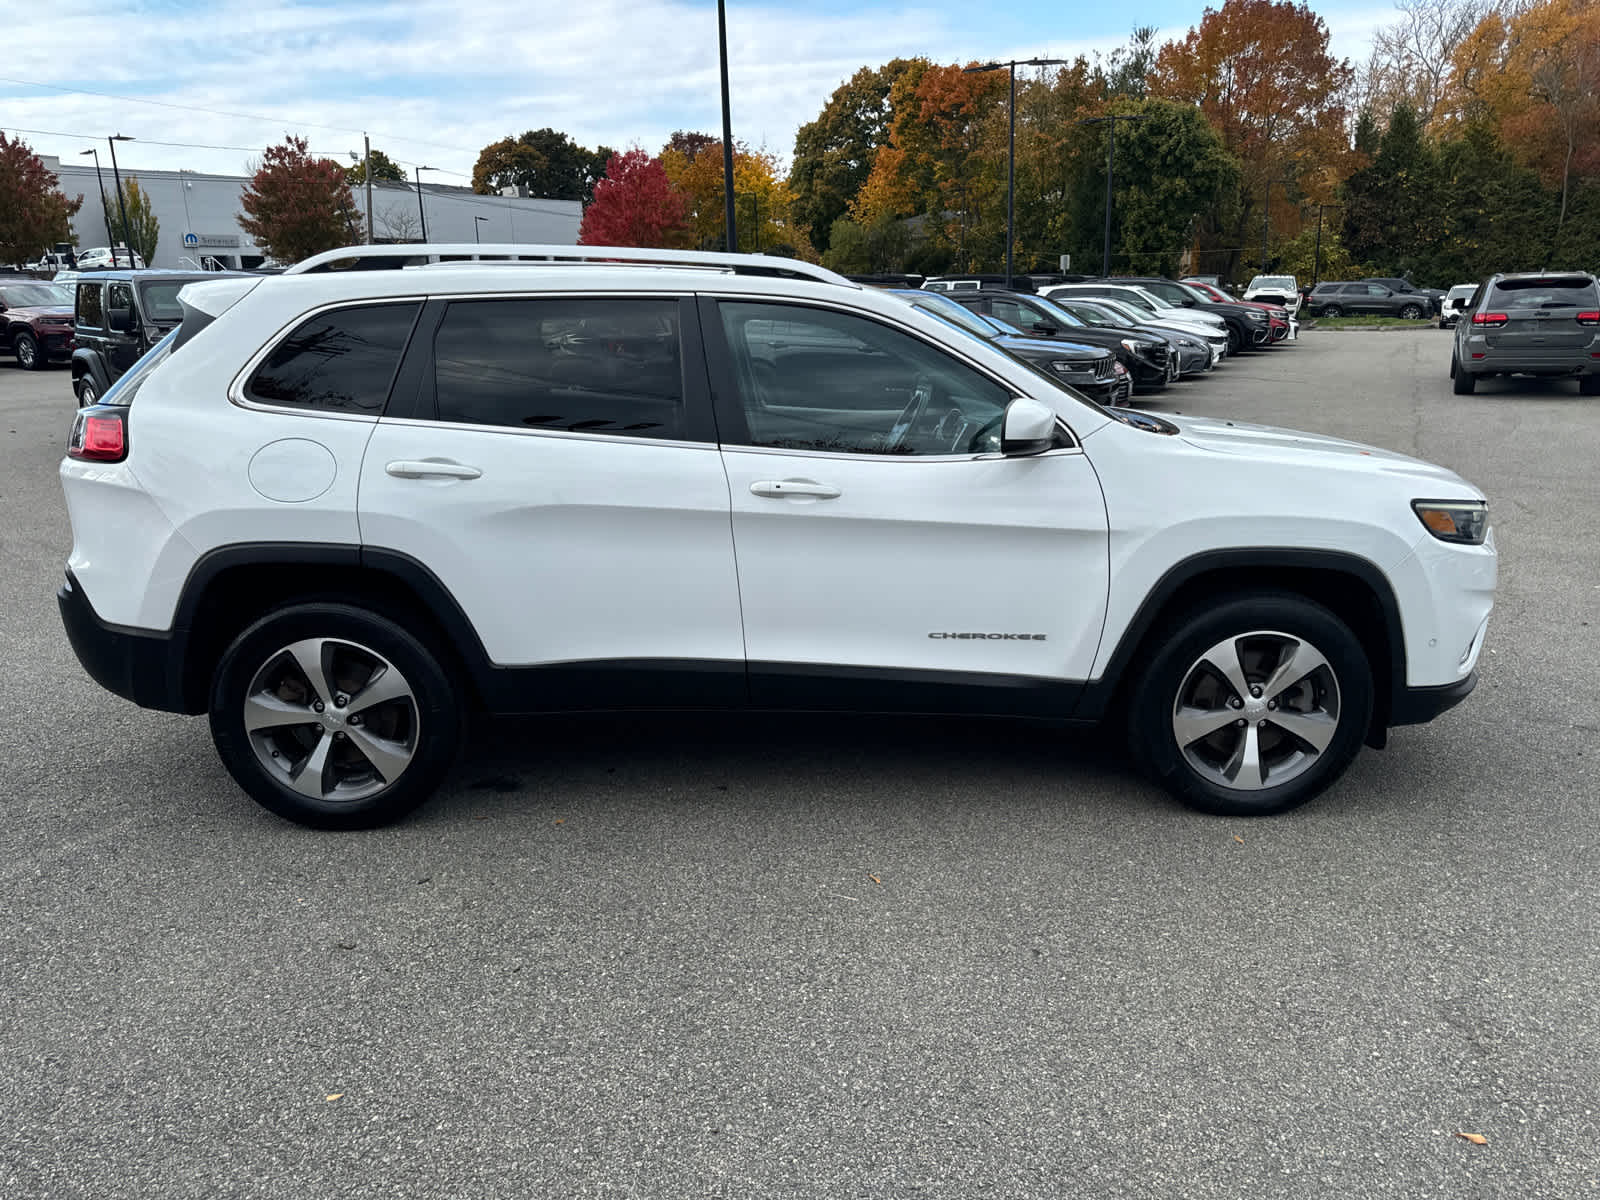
<point>476,221</point>
<point>421,215</point>
<point>1316,265</point>
<point>1011,145</point>
<point>1111,169</point>
<point>105,209</point>
<point>121,208</point>
<point>727,132</point>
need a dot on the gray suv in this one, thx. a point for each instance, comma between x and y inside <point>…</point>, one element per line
<point>1530,324</point>
<point>1351,299</point>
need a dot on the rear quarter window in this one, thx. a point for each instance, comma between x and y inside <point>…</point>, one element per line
<point>89,311</point>
<point>339,361</point>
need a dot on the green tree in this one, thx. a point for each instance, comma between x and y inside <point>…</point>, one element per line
<point>296,205</point>
<point>1391,216</point>
<point>1496,213</point>
<point>143,230</point>
<point>545,162</point>
<point>384,169</point>
<point>877,249</point>
<point>833,155</point>
<point>33,212</point>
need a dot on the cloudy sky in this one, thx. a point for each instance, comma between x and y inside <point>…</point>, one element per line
<point>433,81</point>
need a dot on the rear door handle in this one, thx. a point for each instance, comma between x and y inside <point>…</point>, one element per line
<point>778,489</point>
<point>431,468</point>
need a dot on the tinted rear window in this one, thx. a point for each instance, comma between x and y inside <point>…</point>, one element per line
<point>1552,291</point>
<point>340,361</point>
<point>89,305</point>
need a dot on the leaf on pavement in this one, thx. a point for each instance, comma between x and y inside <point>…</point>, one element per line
<point>1238,839</point>
<point>875,880</point>
<point>335,1096</point>
<point>1477,1139</point>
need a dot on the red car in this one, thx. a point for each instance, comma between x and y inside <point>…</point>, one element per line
<point>38,326</point>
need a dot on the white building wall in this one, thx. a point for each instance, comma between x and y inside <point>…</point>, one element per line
<point>207,207</point>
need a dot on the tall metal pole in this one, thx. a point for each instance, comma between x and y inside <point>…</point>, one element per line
<point>105,209</point>
<point>121,207</point>
<point>421,213</point>
<point>1316,264</point>
<point>1111,166</point>
<point>366,170</point>
<point>1266,220</point>
<point>1011,175</point>
<point>727,132</point>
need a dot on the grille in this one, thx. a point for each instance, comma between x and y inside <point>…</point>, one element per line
<point>1104,366</point>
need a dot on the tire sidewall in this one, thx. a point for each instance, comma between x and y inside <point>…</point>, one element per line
<point>31,361</point>
<point>1150,713</point>
<point>86,383</point>
<point>438,711</point>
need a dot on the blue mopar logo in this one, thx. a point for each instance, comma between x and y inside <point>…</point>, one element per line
<point>191,239</point>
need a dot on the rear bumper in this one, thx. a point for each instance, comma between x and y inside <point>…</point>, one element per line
<point>136,664</point>
<point>1418,705</point>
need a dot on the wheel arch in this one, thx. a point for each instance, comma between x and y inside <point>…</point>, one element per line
<point>231,587</point>
<point>1352,587</point>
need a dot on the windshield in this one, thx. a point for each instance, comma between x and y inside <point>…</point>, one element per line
<point>1281,282</point>
<point>29,295</point>
<point>1065,318</point>
<point>947,309</point>
<point>161,300</point>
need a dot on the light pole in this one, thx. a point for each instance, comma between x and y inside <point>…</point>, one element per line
<point>422,215</point>
<point>476,221</point>
<point>1111,170</point>
<point>727,132</point>
<point>121,208</point>
<point>105,210</point>
<point>1316,265</point>
<point>1011,144</point>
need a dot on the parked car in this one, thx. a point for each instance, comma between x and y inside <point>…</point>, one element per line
<point>1213,280</point>
<point>1281,290</point>
<point>1540,324</point>
<point>1145,357</point>
<point>1338,299</point>
<point>101,257</point>
<point>37,322</point>
<point>1281,325</point>
<point>339,511</point>
<point>1430,298</point>
<point>119,315</point>
<point>972,282</point>
<point>1193,353</point>
<point>1454,301</point>
<point>1132,293</point>
<point>1093,370</point>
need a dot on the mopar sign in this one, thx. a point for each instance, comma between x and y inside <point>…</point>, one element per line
<point>211,241</point>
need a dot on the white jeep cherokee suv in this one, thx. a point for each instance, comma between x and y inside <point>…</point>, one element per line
<point>338,510</point>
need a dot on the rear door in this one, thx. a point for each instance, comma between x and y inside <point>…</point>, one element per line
<point>1542,317</point>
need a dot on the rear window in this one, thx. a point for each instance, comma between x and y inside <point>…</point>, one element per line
<point>340,361</point>
<point>89,314</point>
<point>1552,291</point>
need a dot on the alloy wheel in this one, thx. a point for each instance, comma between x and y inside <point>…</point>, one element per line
<point>1257,710</point>
<point>331,719</point>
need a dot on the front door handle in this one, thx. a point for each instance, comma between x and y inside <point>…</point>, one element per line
<point>778,489</point>
<point>431,468</point>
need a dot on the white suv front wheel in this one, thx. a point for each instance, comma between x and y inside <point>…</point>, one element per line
<point>333,716</point>
<point>1253,706</point>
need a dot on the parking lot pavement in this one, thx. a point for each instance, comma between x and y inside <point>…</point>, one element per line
<point>777,956</point>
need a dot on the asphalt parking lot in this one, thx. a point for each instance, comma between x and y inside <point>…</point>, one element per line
<point>797,957</point>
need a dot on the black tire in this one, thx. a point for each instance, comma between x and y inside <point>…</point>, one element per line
<point>1463,382</point>
<point>1410,312</point>
<point>423,725</point>
<point>1332,310</point>
<point>27,351</point>
<point>83,387</point>
<point>1233,341</point>
<point>1589,385</point>
<point>1258,625</point>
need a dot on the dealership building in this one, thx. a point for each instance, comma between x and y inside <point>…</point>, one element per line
<point>199,214</point>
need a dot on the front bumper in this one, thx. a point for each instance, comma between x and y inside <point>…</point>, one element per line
<point>136,664</point>
<point>1418,705</point>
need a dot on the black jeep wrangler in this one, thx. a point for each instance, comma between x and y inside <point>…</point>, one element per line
<point>120,314</point>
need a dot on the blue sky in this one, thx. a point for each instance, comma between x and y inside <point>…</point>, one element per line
<point>433,81</point>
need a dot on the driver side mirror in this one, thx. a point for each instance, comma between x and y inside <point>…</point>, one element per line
<point>1029,428</point>
<point>1047,328</point>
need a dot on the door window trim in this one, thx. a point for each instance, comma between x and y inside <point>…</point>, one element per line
<point>729,405</point>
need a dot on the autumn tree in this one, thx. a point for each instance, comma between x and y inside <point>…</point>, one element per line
<point>1412,57</point>
<point>143,230</point>
<point>834,154</point>
<point>1261,72</point>
<point>296,205</point>
<point>690,143</point>
<point>763,205</point>
<point>543,163</point>
<point>635,204</point>
<point>384,170</point>
<point>33,212</point>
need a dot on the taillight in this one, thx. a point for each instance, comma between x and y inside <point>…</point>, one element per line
<point>1493,320</point>
<point>1589,318</point>
<point>99,435</point>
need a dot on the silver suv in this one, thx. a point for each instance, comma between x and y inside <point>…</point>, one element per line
<point>1530,324</point>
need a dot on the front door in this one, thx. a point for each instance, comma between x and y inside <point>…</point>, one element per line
<point>554,464</point>
<point>888,556</point>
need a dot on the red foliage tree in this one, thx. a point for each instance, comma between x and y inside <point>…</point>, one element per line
<point>33,213</point>
<point>635,205</point>
<point>296,205</point>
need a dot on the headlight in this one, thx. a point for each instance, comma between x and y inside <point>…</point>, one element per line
<point>1255,314</point>
<point>1063,366</point>
<point>1135,346</point>
<point>1465,522</point>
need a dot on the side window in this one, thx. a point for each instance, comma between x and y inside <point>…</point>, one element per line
<point>815,379</point>
<point>339,361</point>
<point>1014,313</point>
<point>1377,289</point>
<point>119,295</point>
<point>89,305</point>
<point>582,365</point>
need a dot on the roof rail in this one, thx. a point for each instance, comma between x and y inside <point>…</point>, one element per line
<point>393,257</point>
